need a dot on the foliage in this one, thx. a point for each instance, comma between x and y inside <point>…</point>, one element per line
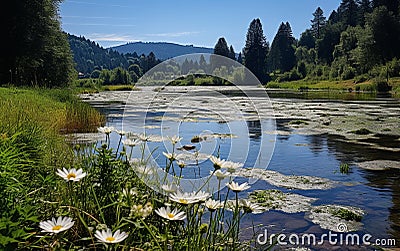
<point>36,51</point>
<point>282,54</point>
<point>256,50</point>
<point>94,61</point>
<point>344,168</point>
<point>346,214</point>
<point>318,23</point>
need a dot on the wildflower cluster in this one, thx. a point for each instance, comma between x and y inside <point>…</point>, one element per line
<point>105,199</point>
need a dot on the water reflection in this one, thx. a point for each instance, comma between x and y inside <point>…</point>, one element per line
<point>378,192</point>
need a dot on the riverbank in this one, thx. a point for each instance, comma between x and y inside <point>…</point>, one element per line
<point>350,85</point>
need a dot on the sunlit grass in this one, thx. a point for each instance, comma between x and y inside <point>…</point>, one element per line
<point>55,110</point>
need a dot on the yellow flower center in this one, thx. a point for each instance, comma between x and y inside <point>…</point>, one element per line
<point>71,175</point>
<point>183,201</point>
<point>57,227</point>
<point>171,215</point>
<point>110,238</point>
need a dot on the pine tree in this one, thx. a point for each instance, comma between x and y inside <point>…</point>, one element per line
<point>232,54</point>
<point>256,50</point>
<point>333,17</point>
<point>307,39</point>
<point>365,6</point>
<point>202,63</point>
<point>36,50</point>
<point>240,59</point>
<point>318,22</point>
<point>348,12</point>
<point>282,55</point>
<point>221,47</point>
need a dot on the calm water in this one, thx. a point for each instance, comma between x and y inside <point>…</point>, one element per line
<point>376,192</point>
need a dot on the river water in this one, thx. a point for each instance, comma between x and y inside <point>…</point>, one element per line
<point>315,146</point>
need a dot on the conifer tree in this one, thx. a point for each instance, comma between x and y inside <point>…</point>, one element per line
<point>256,50</point>
<point>318,22</point>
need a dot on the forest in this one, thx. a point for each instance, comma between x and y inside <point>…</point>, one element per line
<point>357,41</point>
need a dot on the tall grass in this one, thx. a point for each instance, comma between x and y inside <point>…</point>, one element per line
<point>58,110</point>
<point>31,149</point>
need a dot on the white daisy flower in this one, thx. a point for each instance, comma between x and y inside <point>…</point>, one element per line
<point>184,198</point>
<point>106,129</point>
<point>130,142</point>
<point>107,236</point>
<point>172,188</point>
<point>181,163</point>
<point>166,213</point>
<point>56,225</point>
<point>71,174</point>
<point>144,170</point>
<point>201,195</point>
<point>174,139</point>
<point>236,187</point>
<point>120,132</point>
<point>249,207</point>
<point>219,174</point>
<point>171,156</point>
<point>218,163</point>
<point>213,205</point>
<point>232,167</point>
<point>143,137</point>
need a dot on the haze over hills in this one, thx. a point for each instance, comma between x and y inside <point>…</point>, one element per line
<point>162,50</point>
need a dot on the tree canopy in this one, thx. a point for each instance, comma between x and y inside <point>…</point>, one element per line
<point>36,51</point>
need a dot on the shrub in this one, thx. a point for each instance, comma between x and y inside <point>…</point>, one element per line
<point>382,85</point>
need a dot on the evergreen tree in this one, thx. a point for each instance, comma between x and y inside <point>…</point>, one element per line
<point>391,5</point>
<point>348,12</point>
<point>36,50</point>
<point>221,47</point>
<point>256,50</point>
<point>282,54</point>
<point>318,22</point>
<point>365,6</point>
<point>232,54</point>
<point>326,45</point>
<point>151,61</point>
<point>307,39</point>
<point>202,63</point>
<point>333,17</point>
<point>240,59</point>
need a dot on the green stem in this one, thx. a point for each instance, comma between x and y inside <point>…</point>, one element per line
<point>151,233</point>
<point>119,143</point>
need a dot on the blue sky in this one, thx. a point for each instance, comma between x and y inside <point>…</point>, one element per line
<point>199,23</point>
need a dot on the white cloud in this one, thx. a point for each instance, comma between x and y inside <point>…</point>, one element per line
<point>111,37</point>
<point>173,34</point>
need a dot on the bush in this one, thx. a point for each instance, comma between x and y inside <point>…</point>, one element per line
<point>360,79</point>
<point>348,73</point>
<point>382,85</point>
<point>289,76</point>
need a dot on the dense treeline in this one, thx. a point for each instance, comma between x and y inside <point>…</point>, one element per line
<point>110,66</point>
<point>358,40</point>
<point>35,51</point>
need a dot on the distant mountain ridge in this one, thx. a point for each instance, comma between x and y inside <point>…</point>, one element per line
<point>162,50</point>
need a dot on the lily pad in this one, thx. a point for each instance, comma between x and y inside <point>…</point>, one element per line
<point>278,200</point>
<point>287,181</point>
<point>337,217</point>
